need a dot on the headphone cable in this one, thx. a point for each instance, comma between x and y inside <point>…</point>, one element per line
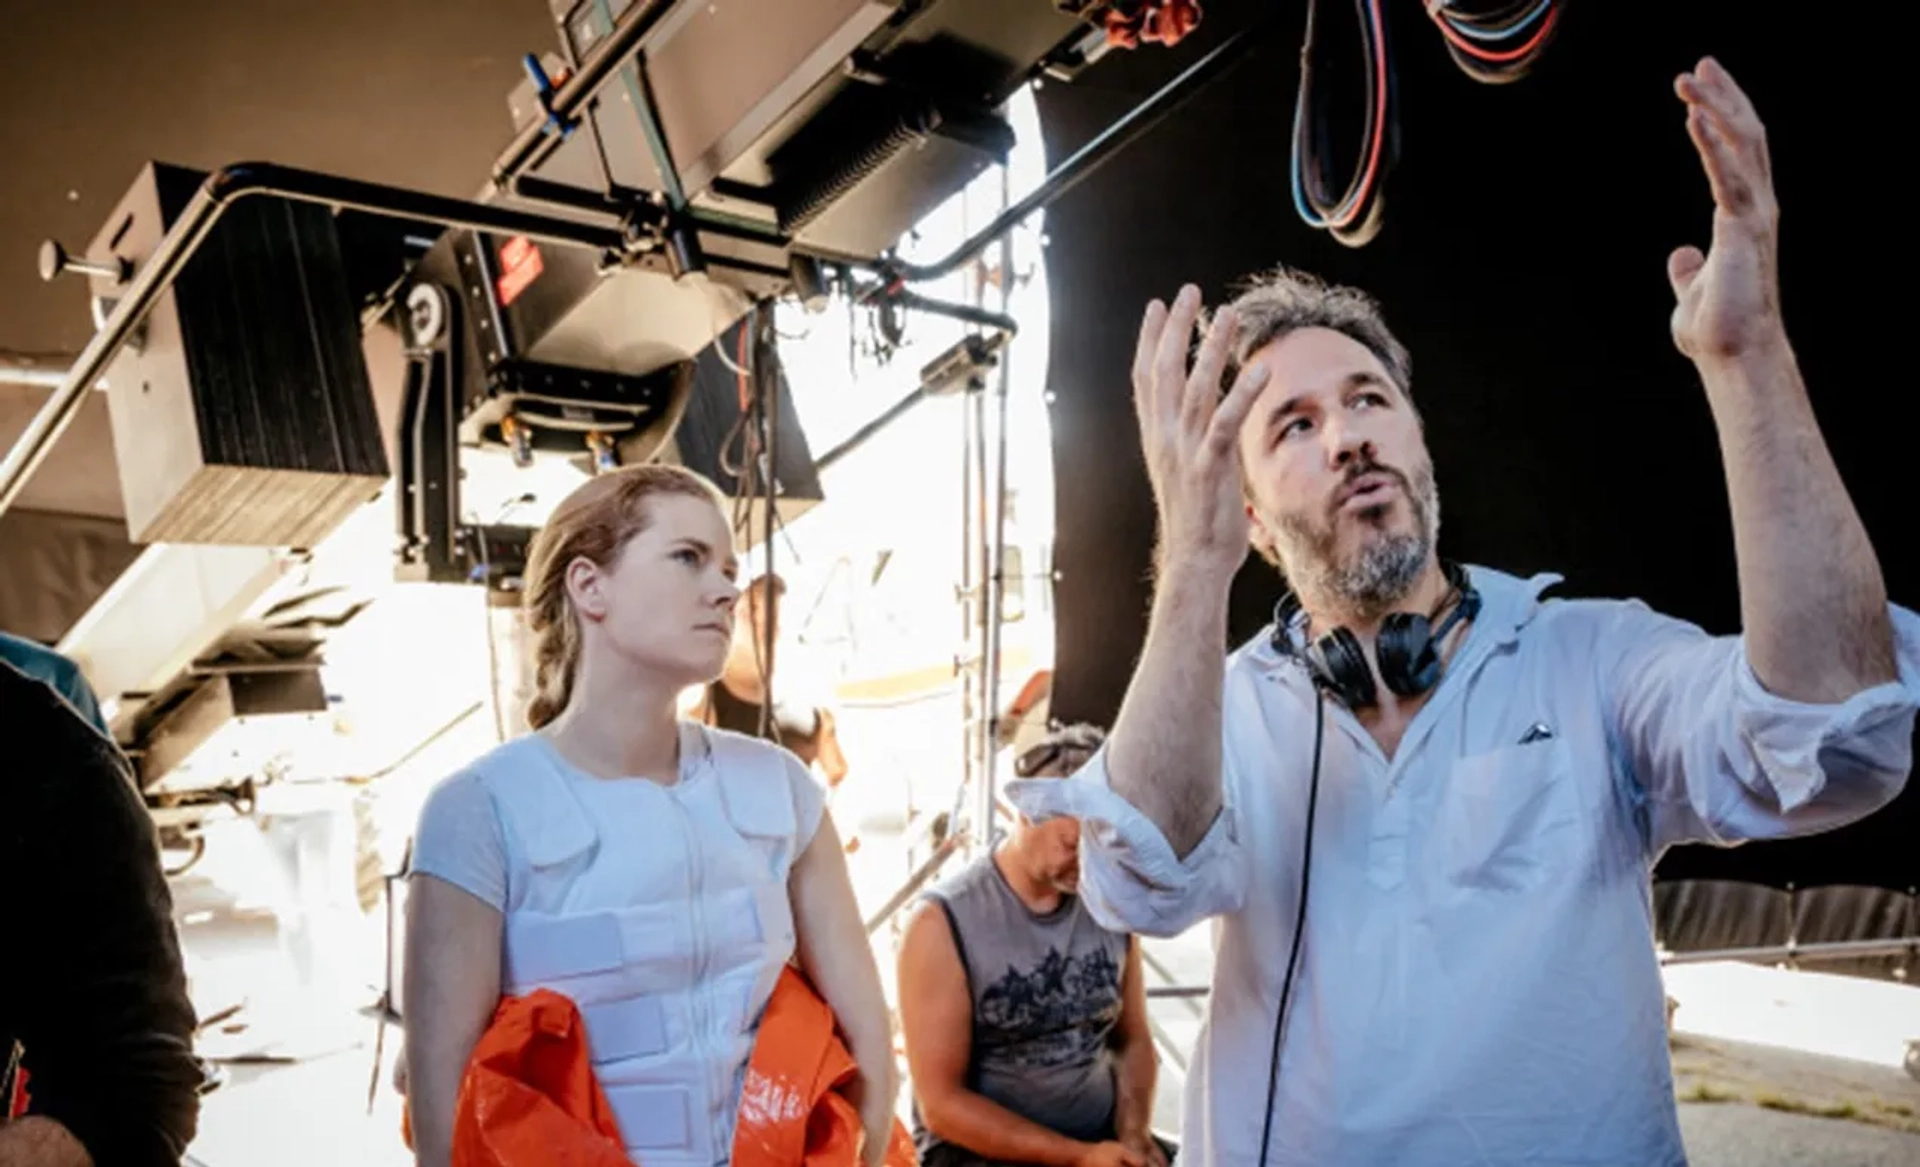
<point>1299,920</point>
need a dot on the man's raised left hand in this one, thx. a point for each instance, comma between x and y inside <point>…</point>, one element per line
<point>1729,298</point>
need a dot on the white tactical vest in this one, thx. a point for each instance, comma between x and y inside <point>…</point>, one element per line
<point>669,938</point>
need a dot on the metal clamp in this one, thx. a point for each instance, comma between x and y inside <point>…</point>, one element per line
<point>556,123</point>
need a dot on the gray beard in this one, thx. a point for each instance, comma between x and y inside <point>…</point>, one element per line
<point>1374,579</point>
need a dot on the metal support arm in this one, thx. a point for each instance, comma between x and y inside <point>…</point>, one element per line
<point>220,190</point>
<point>965,313</point>
<point>1090,157</point>
<point>971,353</point>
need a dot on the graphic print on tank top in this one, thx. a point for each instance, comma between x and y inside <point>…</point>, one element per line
<point>1056,1013</point>
<point>1045,990</point>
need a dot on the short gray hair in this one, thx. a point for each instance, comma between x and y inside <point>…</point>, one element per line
<point>1277,302</point>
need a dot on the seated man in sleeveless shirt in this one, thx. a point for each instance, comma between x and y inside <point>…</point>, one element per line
<point>1025,1021</point>
<point>736,699</point>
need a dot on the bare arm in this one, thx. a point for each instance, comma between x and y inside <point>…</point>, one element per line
<point>936,1015</point>
<point>1139,1065</point>
<point>40,1142</point>
<point>1164,756</point>
<point>838,959</point>
<point>451,988</point>
<point>1813,603</point>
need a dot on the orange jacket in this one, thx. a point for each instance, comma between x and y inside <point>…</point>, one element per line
<point>529,1096</point>
<point>793,1109</point>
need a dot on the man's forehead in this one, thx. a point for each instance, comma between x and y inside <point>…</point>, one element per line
<point>1316,361</point>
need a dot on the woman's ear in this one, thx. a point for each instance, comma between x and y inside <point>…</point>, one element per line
<point>586,587</point>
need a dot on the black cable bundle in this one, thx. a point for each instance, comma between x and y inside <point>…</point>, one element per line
<point>1353,213</point>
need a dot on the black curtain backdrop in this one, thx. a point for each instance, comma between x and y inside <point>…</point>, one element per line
<point>1523,263</point>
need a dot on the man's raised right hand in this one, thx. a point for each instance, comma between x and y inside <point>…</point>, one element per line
<point>1189,434</point>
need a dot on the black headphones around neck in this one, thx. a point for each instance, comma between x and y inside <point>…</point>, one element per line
<point>1408,647</point>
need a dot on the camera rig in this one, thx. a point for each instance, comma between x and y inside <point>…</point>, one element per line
<point>280,345</point>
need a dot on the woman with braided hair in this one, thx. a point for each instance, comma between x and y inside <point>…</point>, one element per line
<point>657,872</point>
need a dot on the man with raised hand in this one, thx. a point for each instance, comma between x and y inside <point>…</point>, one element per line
<point>1424,805</point>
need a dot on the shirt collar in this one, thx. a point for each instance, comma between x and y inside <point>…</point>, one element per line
<point>1507,602</point>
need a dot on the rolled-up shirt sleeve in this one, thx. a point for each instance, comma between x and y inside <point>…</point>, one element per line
<point>1717,758</point>
<point>1130,878</point>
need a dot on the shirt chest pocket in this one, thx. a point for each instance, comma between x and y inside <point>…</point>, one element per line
<point>1507,818</point>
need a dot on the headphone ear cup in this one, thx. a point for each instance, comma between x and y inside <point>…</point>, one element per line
<point>1409,663</point>
<point>1342,666</point>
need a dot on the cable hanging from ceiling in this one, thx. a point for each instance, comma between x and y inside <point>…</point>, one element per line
<point>1500,45</point>
<point>1352,215</point>
<point>1493,43</point>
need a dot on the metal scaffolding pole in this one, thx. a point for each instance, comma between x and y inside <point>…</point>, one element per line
<point>972,487</point>
<point>993,555</point>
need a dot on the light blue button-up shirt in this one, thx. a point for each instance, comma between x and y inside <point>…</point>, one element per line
<point>1478,983</point>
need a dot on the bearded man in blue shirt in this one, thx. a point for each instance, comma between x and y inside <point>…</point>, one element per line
<point>1424,806</point>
